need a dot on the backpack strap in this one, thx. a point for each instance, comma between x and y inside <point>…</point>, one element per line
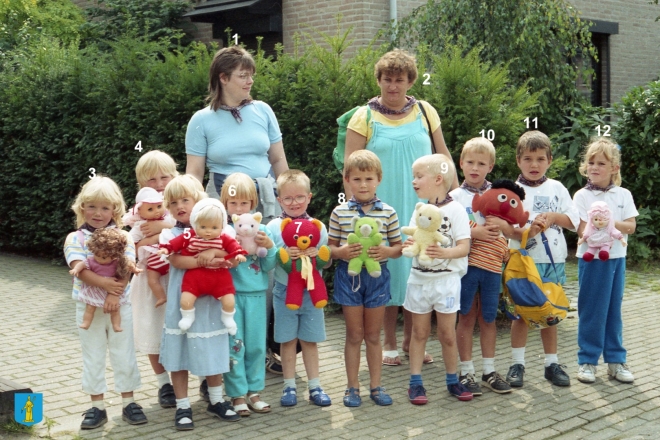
<point>546,245</point>
<point>523,240</point>
<point>421,108</point>
<point>368,120</point>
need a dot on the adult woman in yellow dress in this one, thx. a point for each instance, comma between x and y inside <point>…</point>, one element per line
<point>399,129</point>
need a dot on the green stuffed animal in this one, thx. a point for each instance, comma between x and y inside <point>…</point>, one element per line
<point>366,233</point>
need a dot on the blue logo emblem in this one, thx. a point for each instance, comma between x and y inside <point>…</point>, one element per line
<point>28,408</point>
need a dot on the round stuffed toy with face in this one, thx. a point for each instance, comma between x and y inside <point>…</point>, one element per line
<point>503,200</point>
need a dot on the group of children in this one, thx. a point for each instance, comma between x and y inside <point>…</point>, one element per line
<point>184,323</point>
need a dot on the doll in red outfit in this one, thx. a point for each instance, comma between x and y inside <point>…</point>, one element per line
<point>208,220</point>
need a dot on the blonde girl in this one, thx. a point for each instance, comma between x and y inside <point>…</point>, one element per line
<point>601,283</point>
<point>204,348</point>
<point>247,375</point>
<point>154,170</point>
<point>100,205</point>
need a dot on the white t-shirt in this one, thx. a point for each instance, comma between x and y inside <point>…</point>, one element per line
<point>465,197</point>
<point>551,196</point>
<point>620,201</point>
<point>455,226</point>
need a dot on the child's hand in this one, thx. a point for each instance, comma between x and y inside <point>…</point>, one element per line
<point>294,252</point>
<point>205,257</point>
<point>240,258</point>
<point>348,251</point>
<point>379,253</point>
<point>113,286</point>
<point>162,251</point>
<point>79,267</point>
<point>409,242</point>
<point>153,228</point>
<point>111,304</point>
<point>435,251</point>
<point>488,232</point>
<point>263,240</point>
<point>311,252</point>
<point>538,225</point>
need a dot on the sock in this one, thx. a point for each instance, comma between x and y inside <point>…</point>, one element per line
<point>100,404</point>
<point>416,379</point>
<point>215,394</point>
<point>489,365</point>
<point>451,379</point>
<point>551,359</point>
<point>518,355</point>
<point>314,383</point>
<point>290,383</point>
<point>466,367</point>
<point>163,379</point>
<point>125,401</point>
<point>183,403</point>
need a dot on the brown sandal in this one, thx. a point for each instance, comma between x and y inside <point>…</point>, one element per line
<point>242,408</point>
<point>259,406</point>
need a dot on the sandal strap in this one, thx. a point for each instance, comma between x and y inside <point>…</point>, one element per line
<point>183,413</point>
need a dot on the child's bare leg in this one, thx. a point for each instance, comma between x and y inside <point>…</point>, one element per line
<point>389,330</point>
<point>354,337</point>
<point>288,357</point>
<point>154,359</point>
<point>228,312</point>
<point>373,322</point>
<point>487,337</point>
<point>464,332</point>
<point>549,339</point>
<point>421,328</point>
<point>115,319</point>
<point>518,333</point>
<point>153,278</point>
<point>310,354</point>
<point>187,310</point>
<point>447,338</point>
<point>87,317</point>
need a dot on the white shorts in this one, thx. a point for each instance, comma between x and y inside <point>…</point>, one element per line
<point>442,295</point>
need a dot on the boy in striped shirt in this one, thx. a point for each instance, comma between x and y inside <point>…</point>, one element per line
<point>480,286</point>
<point>363,297</point>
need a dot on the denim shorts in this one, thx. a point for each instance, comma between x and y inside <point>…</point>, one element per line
<point>363,289</point>
<point>488,284</point>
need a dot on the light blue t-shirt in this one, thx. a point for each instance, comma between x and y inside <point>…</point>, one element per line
<point>230,146</point>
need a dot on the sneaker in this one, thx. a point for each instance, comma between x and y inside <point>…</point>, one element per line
<point>459,391</point>
<point>289,397</point>
<point>515,375</point>
<point>273,364</point>
<point>133,415</point>
<point>204,391</point>
<point>620,372</point>
<point>166,397</point>
<point>471,384</point>
<point>496,383</point>
<point>181,414</point>
<point>586,373</point>
<point>94,418</point>
<point>417,395</point>
<point>318,397</point>
<point>557,375</point>
<point>224,411</point>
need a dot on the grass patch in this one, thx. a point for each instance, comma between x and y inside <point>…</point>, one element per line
<point>11,426</point>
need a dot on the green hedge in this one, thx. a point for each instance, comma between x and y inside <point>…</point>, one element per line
<point>66,110</point>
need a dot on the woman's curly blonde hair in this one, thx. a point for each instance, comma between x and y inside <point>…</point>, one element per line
<point>111,243</point>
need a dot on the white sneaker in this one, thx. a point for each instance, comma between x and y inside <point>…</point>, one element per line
<point>620,372</point>
<point>587,373</point>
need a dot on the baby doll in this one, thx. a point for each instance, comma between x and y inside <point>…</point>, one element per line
<point>108,247</point>
<point>149,207</point>
<point>208,219</point>
<point>599,233</point>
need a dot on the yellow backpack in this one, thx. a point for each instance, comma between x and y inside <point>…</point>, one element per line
<point>527,296</point>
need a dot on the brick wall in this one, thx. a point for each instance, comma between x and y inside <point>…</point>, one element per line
<point>635,51</point>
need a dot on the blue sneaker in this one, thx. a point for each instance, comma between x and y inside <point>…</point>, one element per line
<point>417,395</point>
<point>318,397</point>
<point>289,397</point>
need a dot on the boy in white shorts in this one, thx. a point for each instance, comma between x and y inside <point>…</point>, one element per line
<point>437,286</point>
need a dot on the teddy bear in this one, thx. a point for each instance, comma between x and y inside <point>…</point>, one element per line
<point>366,233</point>
<point>428,219</point>
<point>247,226</point>
<point>304,271</point>
<point>599,233</point>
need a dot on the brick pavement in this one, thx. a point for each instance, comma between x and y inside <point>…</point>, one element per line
<point>40,348</point>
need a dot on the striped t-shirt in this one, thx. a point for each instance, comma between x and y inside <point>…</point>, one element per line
<point>342,216</point>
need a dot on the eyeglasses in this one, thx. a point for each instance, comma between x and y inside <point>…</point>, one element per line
<point>289,200</point>
<point>245,76</point>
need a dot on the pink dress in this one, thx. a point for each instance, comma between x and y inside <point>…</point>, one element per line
<point>95,296</point>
